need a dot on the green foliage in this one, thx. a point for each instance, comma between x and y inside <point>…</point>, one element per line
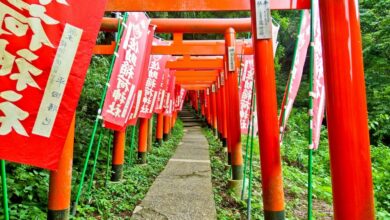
<point>27,191</point>
<point>227,206</point>
<point>28,186</point>
<point>118,200</point>
<point>375,25</point>
<point>295,159</point>
<point>380,128</point>
<point>231,207</point>
<point>295,162</point>
<point>380,167</point>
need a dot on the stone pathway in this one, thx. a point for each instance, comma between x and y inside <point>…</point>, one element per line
<point>183,190</point>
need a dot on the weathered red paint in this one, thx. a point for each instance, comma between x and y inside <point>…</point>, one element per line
<point>234,109</point>
<point>61,180</point>
<point>143,135</point>
<point>271,165</point>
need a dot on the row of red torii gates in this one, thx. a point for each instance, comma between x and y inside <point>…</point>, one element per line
<point>203,63</point>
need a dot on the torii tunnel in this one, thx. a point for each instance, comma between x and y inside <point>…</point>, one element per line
<point>211,67</point>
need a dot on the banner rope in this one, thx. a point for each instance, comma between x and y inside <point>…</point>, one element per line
<point>97,121</point>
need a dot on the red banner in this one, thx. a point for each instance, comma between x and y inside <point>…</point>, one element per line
<point>162,93</point>
<point>127,71</point>
<point>142,83</point>
<point>318,93</point>
<point>180,96</point>
<point>153,83</point>
<point>246,87</point>
<point>40,80</point>
<point>170,97</point>
<point>296,71</point>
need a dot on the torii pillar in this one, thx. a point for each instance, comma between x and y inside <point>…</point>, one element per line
<point>234,111</point>
<point>267,112</point>
<point>118,156</point>
<point>223,109</point>
<point>61,181</point>
<point>349,144</point>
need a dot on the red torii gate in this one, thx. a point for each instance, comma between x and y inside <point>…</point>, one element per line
<point>346,111</point>
<point>200,5</point>
<point>345,92</point>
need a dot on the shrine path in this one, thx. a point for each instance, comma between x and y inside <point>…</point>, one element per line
<point>183,190</point>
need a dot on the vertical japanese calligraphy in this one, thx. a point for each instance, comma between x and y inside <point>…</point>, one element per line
<point>162,92</point>
<point>128,67</point>
<point>170,94</point>
<point>246,88</point>
<point>153,83</point>
<point>58,79</point>
<point>134,113</point>
<point>180,96</point>
<point>232,58</point>
<point>40,82</point>
<point>263,19</point>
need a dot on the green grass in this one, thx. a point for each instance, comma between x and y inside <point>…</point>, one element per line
<point>28,186</point>
<point>294,155</point>
<point>230,206</point>
<point>118,200</point>
<point>227,206</point>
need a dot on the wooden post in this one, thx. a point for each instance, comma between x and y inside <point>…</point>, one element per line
<point>118,156</point>
<point>150,134</point>
<point>142,140</point>
<point>160,128</point>
<point>167,127</point>
<point>267,112</point>
<point>214,109</point>
<point>223,110</point>
<point>234,111</point>
<point>61,181</point>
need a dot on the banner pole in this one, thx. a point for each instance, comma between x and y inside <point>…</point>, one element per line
<point>5,190</point>
<point>101,135</point>
<point>108,158</point>
<point>310,150</point>
<point>120,31</point>
<point>249,202</point>
<point>250,126</point>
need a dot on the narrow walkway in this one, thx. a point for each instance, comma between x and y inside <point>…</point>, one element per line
<point>183,190</point>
